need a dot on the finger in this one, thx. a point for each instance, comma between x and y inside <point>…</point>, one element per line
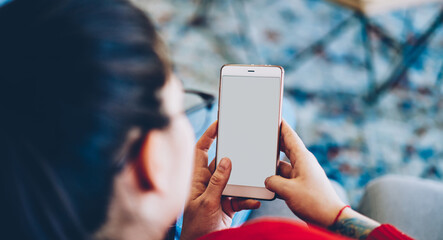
<point>291,144</point>
<point>230,205</point>
<point>203,145</point>
<point>219,179</point>
<point>227,206</point>
<point>239,204</point>
<point>201,159</point>
<point>212,166</point>
<point>200,181</point>
<point>205,141</point>
<point>285,169</point>
<point>279,185</point>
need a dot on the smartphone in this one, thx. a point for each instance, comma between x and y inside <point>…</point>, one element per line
<point>249,121</point>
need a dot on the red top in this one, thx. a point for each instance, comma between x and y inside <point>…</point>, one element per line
<point>286,229</point>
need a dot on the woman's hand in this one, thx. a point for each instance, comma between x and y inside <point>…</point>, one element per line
<point>308,192</point>
<point>303,183</point>
<point>207,210</point>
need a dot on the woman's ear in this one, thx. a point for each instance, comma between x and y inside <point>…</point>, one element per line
<point>150,170</point>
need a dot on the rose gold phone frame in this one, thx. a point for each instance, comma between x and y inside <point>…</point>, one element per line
<point>253,192</point>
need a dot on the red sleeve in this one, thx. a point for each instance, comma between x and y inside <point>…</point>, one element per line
<point>387,232</point>
<point>273,229</point>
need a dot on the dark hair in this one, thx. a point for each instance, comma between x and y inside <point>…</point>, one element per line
<point>75,77</point>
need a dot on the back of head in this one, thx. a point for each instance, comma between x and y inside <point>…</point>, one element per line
<point>75,77</point>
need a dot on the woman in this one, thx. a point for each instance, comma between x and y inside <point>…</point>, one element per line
<point>96,144</point>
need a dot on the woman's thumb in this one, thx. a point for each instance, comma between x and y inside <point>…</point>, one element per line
<point>279,185</point>
<point>219,179</point>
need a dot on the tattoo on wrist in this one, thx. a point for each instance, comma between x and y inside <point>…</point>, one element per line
<point>353,227</point>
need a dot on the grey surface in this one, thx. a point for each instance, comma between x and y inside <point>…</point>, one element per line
<point>415,206</point>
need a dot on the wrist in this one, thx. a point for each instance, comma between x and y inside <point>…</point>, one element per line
<point>350,213</point>
<point>339,214</point>
<point>331,214</point>
<point>352,224</point>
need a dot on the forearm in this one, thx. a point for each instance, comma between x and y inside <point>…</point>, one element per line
<point>354,225</point>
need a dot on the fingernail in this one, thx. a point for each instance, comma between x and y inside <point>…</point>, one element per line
<point>224,164</point>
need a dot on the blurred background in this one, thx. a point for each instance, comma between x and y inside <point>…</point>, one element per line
<point>363,78</point>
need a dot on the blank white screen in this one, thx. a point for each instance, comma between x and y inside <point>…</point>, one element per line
<point>248,127</point>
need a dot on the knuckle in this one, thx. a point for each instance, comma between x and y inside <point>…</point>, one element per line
<point>217,179</point>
